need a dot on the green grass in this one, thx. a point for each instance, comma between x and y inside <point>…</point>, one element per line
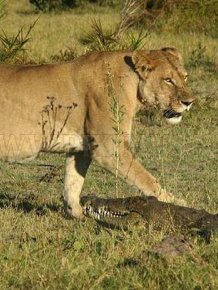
<point>41,249</point>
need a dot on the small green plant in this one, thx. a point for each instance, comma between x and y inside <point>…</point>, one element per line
<point>13,48</point>
<point>67,54</point>
<point>118,112</point>
<point>98,39</point>
<point>119,38</point>
<point>199,57</point>
<point>135,41</point>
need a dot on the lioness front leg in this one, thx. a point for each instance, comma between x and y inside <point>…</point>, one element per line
<point>77,165</point>
<point>134,174</point>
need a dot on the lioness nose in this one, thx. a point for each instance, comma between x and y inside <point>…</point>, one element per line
<point>187,103</point>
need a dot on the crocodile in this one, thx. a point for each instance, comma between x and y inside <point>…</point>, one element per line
<point>161,215</point>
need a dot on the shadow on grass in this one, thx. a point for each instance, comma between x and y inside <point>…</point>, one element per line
<point>27,206</point>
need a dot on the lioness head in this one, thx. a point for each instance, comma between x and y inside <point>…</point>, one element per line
<point>163,82</point>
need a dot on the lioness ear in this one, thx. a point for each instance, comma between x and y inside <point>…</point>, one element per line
<point>173,51</point>
<point>142,63</point>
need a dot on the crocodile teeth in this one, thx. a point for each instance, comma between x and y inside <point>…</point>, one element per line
<point>97,213</point>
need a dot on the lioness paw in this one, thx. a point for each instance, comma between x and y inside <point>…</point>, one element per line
<point>74,211</point>
<point>169,197</point>
<point>179,201</point>
<point>165,196</point>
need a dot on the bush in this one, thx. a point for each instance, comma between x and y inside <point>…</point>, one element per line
<point>100,2</point>
<point>52,5</point>
<point>55,5</point>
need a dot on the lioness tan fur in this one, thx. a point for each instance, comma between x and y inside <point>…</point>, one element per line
<point>67,108</point>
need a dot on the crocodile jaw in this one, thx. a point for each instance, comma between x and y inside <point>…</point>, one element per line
<point>100,208</point>
<point>103,212</point>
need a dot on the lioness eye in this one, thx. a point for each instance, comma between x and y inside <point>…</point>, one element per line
<point>168,81</point>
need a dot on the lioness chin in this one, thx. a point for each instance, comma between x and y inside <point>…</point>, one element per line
<point>67,108</point>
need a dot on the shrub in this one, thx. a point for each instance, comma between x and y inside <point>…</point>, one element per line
<point>100,2</point>
<point>121,37</point>
<point>52,5</point>
<point>55,5</point>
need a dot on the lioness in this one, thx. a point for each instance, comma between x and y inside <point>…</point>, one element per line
<point>67,108</point>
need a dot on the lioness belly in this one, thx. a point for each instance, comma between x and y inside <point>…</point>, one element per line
<point>16,147</point>
<point>19,146</point>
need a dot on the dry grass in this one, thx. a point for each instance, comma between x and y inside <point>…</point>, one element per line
<point>41,249</point>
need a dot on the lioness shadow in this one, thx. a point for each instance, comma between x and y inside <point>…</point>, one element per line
<point>27,206</point>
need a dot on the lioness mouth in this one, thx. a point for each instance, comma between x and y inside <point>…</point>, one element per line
<point>172,116</point>
<point>170,113</point>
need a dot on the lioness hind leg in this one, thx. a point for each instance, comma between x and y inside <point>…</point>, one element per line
<point>77,165</point>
